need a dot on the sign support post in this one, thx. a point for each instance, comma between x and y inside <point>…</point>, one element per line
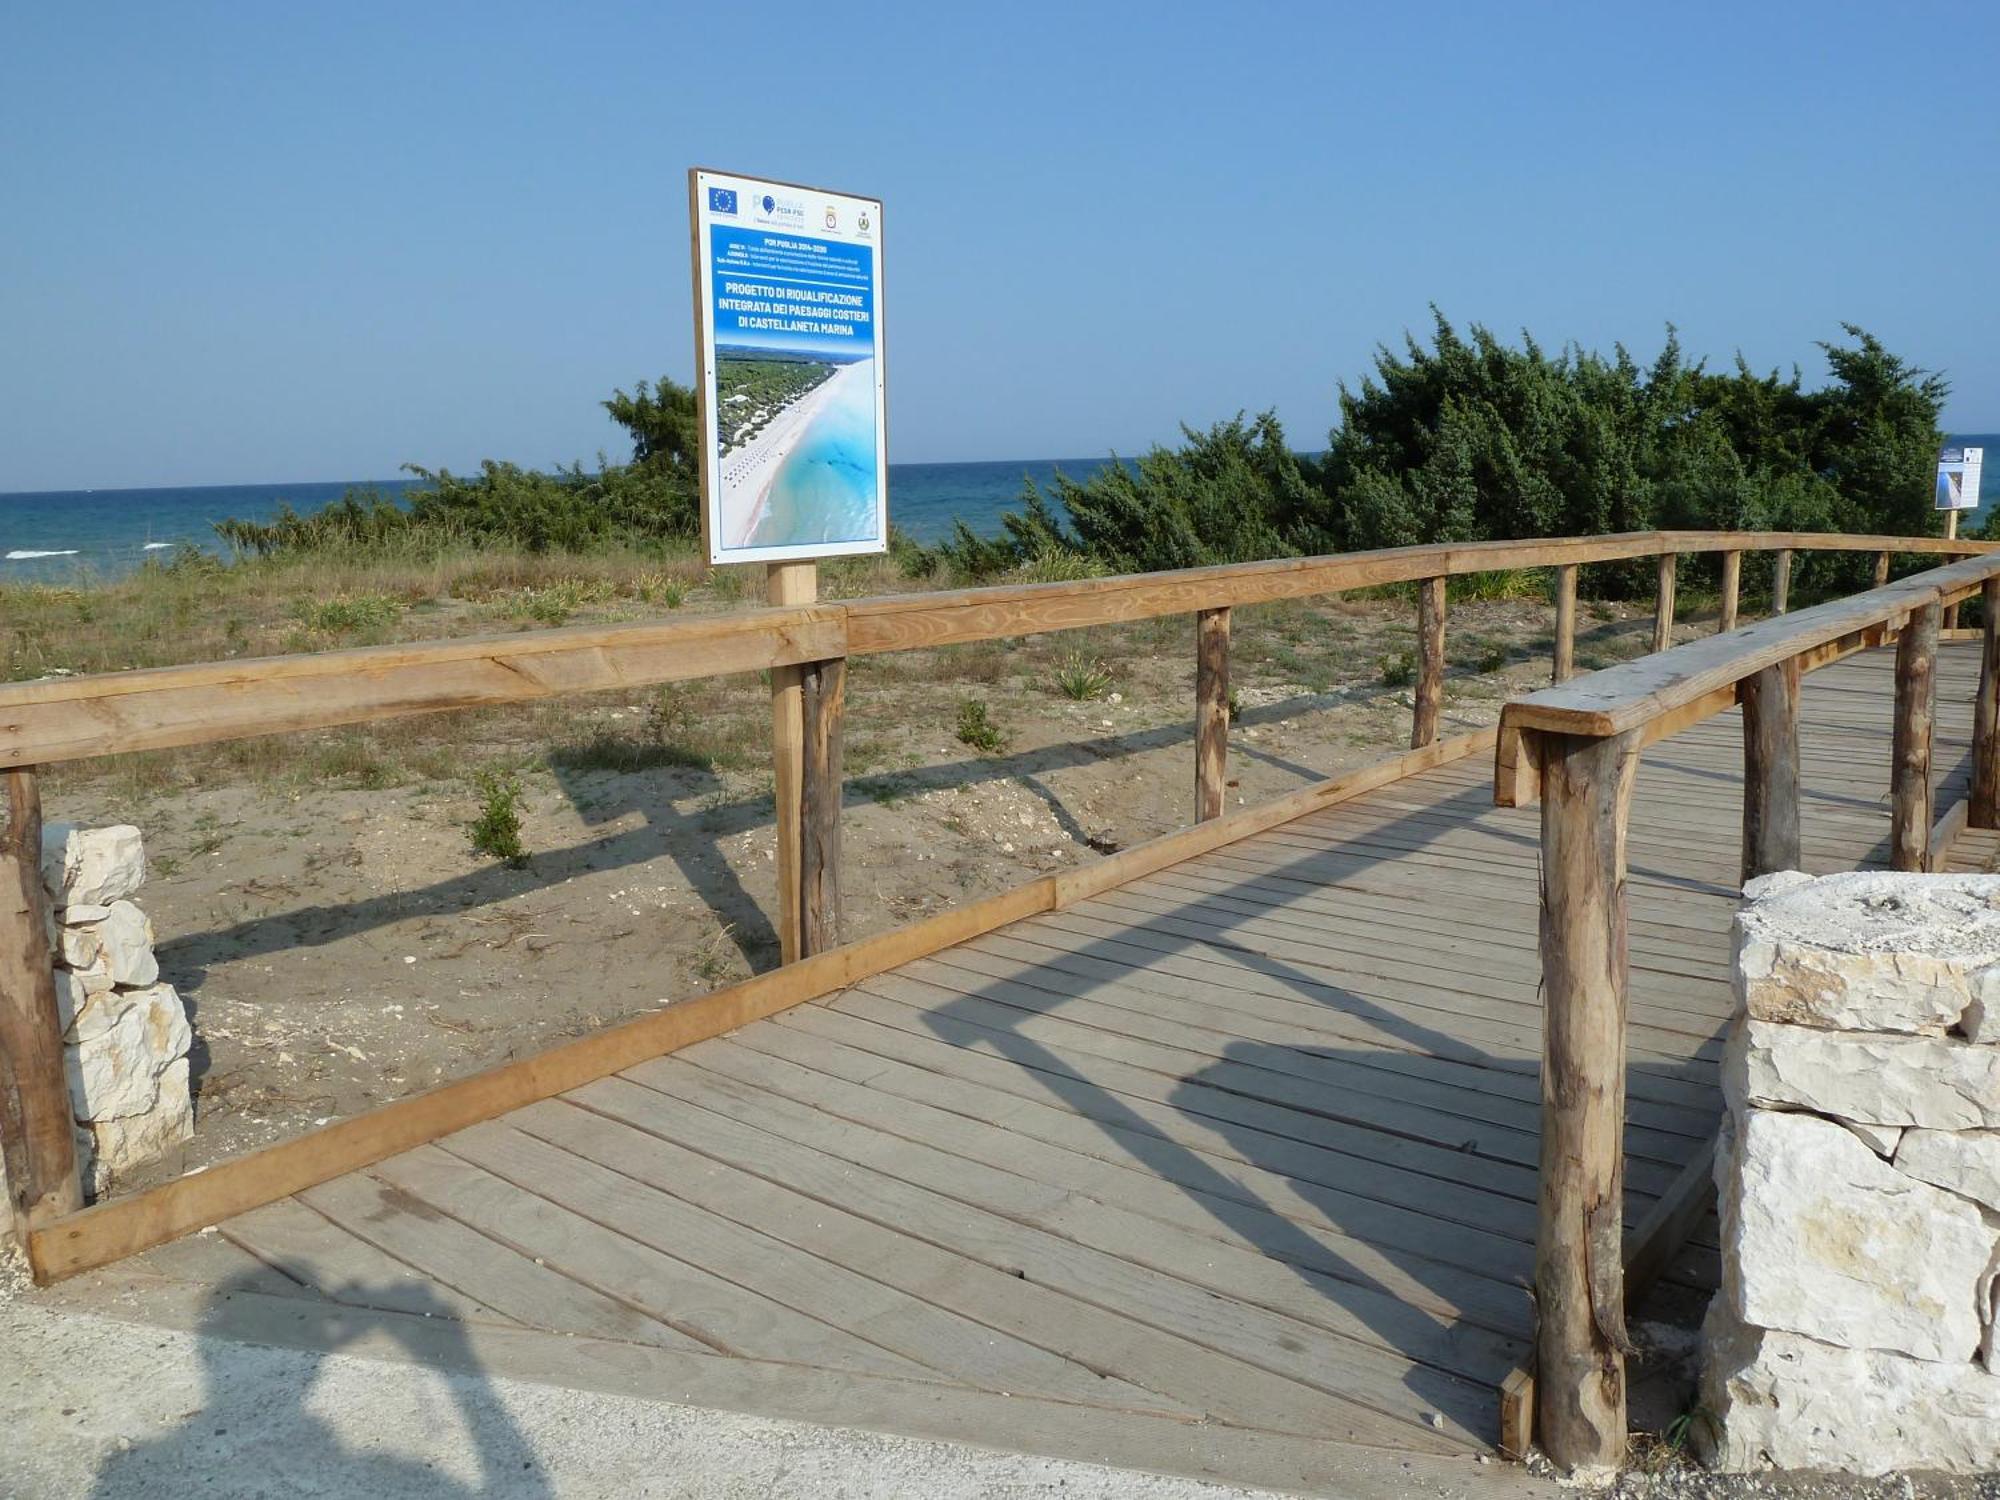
<point>790,401</point>
<point>790,584</point>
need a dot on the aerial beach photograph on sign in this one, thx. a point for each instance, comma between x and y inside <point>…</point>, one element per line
<point>1347,846</point>
<point>790,334</point>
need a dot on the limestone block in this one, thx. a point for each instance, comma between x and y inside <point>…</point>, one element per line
<point>1821,1238</point>
<point>1981,1024</point>
<point>127,939</point>
<point>81,912</point>
<point>1868,951</point>
<point>117,1072</point>
<point>71,999</point>
<point>117,1146</point>
<point>87,1011</point>
<point>91,865</point>
<point>1966,1162</point>
<point>1774,1398</point>
<point>1939,1083</point>
<point>79,947</point>
<point>1881,1139</point>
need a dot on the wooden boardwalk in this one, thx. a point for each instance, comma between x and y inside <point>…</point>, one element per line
<point>1250,1142</point>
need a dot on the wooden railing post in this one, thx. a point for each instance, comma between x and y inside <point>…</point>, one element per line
<point>1663,603</point>
<point>789,583</point>
<point>37,1140</point>
<point>1781,581</point>
<point>1732,584</point>
<point>1910,777</point>
<point>1211,712</point>
<point>824,707</point>
<point>1580,1341</point>
<point>1565,650</point>
<point>1770,701</point>
<point>1984,808</point>
<point>1881,569</point>
<point>1430,662</point>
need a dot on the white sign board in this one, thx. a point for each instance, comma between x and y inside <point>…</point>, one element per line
<point>788,328</point>
<point>1958,478</point>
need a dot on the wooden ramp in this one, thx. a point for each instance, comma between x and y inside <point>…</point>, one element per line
<point>1249,1143</point>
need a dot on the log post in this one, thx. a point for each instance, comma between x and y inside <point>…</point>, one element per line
<point>1732,585</point>
<point>1663,603</point>
<point>1881,569</point>
<point>789,584</point>
<point>1910,775</point>
<point>1781,581</point>
<point>1565,651</point>
<point>1211,712</point>
<point>37,1140</point>
<point>1984,811</point>
<point>1580,1341</point>
<point>824,708</point>
<point>1951,534</point>
<point>1770,770</point>
<point>1430,662</point>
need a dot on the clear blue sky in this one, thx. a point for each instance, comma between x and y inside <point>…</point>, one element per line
<point>285,242</point>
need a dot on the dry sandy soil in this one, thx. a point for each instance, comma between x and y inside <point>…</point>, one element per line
<point>340,943</point>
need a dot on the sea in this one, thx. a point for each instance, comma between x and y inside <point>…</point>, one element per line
<point>59,536</point>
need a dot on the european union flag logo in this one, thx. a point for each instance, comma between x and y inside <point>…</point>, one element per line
<point>722,200</point>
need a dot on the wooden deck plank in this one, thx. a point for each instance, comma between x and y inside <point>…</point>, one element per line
<point>1250,1139</point>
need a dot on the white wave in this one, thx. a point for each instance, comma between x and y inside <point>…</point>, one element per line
<point>155,546</point>
<point>23,554</point>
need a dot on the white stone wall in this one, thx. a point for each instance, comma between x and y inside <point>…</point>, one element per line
<point>1859,1179</point>
<point>125,1034</point>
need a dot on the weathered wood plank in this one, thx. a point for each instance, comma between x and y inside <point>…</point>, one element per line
<point>36,1134</point>
<point>1770,770</point>
<point>1430,662</point>
<point>1985,809</point>
<point>1910,788</point>
<point>1211,713</point>
<point>1579,1283</point>
<point>824,690</point>
<point>1663,602</point>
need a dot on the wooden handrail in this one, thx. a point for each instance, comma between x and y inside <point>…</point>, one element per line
<point>1634,693</point>
<point>157,708</point>
<point>1577,747</point>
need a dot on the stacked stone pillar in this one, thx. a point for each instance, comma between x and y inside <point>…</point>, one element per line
<point>1859,1179</point>
<point>125,1034</point>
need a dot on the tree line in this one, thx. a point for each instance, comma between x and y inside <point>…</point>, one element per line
<point>1466,438</point>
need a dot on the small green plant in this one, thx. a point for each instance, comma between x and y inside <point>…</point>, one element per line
<point>1493,659</point>
<point>1082,677</point>
<point>977,729</point>
<point>727,583</point>
<point>1397,669</point>
<point>345,614</point>
<point>497,829</point>
<point>1235,705</point>
<point>1060,565</point>
<point>659,588</point>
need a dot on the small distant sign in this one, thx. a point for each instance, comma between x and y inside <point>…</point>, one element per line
<point>1958,478</point>
<point>788,330</point>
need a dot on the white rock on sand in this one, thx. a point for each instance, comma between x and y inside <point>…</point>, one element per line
<point>92,866</point>
<point>117,1072</point>
<point>126,937</point>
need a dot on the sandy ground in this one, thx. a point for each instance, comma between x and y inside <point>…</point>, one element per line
<point>342,947</point>
<point>99,1408</point>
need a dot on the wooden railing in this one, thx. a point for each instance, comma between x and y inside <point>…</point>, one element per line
<point>805,648</point>
<point>1577,746</point>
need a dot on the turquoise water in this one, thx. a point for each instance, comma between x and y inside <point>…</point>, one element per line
<point>825,489</point>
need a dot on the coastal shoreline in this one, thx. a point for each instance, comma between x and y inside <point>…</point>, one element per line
<point>772,447</point>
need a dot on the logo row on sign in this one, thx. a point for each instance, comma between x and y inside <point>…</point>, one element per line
<point>773,209</point>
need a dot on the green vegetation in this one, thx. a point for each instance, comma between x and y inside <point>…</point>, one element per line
<point>1081,677</point>
<point>1397,669</point>
<point>1472,439</point>
<point>977,729</point>
<point>752,388</point>
<point>653,498</point>
<point>497,829</point>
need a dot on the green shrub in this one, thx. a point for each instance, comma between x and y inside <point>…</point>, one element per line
<point>977,729</point>
<point>1081,677</point>
<point>347,614</point>
<point>497,829</point>
<point>1397,669</point>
